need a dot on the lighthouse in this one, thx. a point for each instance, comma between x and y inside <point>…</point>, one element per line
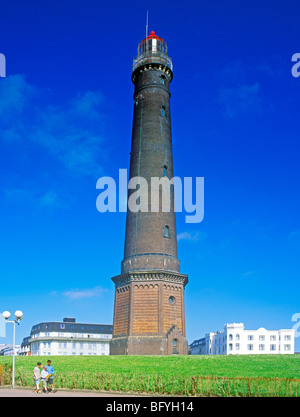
<point>149,312</point>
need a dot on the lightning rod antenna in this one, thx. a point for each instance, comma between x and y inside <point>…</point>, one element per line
<point>147,25</point>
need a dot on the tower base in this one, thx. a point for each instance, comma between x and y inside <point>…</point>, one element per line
<point>149,313</point>
<point>173,343</point>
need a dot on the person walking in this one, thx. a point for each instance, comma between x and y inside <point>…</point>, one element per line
<point>51,372</point>
<point>37,377</point>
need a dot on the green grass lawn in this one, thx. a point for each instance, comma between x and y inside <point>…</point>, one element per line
<point>179,375</point>
<point>259,366</point>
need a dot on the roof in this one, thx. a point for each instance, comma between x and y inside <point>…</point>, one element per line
<point>25,341</point>
<point>198,342</point>
<point>72,327</point>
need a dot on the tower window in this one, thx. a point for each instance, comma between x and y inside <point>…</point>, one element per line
<point>172,299</point>
<point>163,79</point>
<point>165,171</point>
<point>167,231</point>
<point>163,111</point>
<point>175,346</point>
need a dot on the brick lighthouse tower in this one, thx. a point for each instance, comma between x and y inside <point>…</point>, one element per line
<point>149,316</point>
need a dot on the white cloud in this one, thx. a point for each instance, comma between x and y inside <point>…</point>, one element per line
<point>247,274</point>
<point>50,198</point>
<point>240,99</point>
<point>84,293</point>
<point>195,236</point>
<point>72,131</point>
<point>34,195</point>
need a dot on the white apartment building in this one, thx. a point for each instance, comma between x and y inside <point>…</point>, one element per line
<point>67,338</point>
<point>7,350</point>
<point>235,340</point>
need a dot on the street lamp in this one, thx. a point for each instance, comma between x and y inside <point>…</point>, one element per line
<point>18,318</point>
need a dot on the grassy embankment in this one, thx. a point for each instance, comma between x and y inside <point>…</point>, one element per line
<point>253,375</point>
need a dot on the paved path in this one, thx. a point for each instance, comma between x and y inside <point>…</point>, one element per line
<point>17,392</point>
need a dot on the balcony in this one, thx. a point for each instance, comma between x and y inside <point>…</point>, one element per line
<point>71,337</point>
<point>152,58</point>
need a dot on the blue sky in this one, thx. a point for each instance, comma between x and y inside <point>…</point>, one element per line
<point>65,120</point>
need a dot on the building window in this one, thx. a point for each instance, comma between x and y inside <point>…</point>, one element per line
<point>165,171</point>
<point>167,231</point>
<point>272,347</point>
<point>163,111</point>
<point>287,337</point>
<point>261,347</point>
<point>230,337</point>
<point>163,79</point>
<point>287,347</point>
<point>273,337</point>
<point>230,346</point>
<point>62,326</point>
<point>250,337</point>
<point>261,337</point>
<point>237,336</point>
<point>237,346</point>
<point>250,347</point>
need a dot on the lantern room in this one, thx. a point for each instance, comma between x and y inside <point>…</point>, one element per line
<point>152,49</point>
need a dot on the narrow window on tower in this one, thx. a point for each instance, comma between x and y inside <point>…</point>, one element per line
<point>163,79</point>
<point>165,171</point>
<point>167,231</point>
<point>163,111</point>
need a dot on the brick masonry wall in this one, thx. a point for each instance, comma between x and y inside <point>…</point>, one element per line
<point>151,150</point>
<point>121,314</point>
<point>145,309</point>
<point>172,313</point>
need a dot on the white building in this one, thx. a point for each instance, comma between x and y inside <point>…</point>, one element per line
<point>235,340</point>
<point>67,338</point>
<point>7,350</point>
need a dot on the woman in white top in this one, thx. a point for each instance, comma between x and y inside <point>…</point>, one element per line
<point>44,378</point>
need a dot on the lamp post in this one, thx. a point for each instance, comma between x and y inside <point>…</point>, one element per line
<point>18,318</point>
